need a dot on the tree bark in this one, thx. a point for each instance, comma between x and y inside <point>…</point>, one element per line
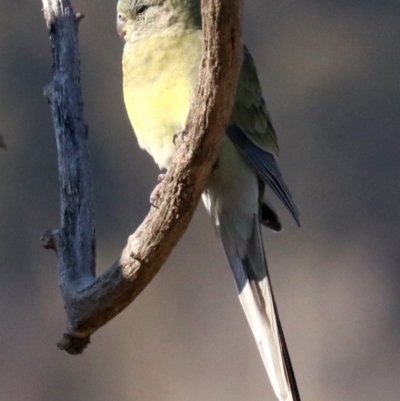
<point>91,302</point>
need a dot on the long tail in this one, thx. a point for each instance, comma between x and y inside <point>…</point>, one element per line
<point>257,299</point>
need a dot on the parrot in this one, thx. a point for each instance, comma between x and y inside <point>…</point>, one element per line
<point>160,65</point>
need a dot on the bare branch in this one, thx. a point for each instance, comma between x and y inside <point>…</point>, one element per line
<point>90,302</point>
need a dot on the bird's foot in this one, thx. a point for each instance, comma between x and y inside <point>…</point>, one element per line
<point>155,194</point>
<point>178,137</point>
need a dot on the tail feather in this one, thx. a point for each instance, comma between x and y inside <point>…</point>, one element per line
<point>258,302</point>
<point>287,362</point>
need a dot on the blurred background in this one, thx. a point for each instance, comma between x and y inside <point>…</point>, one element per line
<point>330,72</point>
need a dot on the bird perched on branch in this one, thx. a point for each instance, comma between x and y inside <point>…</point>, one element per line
<point>161,59</point>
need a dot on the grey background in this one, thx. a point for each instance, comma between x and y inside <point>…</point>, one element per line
<point>330,72</point>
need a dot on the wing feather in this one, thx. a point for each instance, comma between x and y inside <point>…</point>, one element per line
<point>263,163</point>
<point>249,111</point>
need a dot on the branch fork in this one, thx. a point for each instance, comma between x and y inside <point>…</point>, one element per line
<point>90,301</point>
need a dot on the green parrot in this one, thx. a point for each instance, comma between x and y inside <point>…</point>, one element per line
<point>161,59</point>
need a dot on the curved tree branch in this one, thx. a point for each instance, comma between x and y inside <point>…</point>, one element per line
<point>91,302</point>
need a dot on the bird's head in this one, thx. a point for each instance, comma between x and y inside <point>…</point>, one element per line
<point>137,18</point>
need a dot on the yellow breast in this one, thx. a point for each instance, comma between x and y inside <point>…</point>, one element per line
<point>160,73</point>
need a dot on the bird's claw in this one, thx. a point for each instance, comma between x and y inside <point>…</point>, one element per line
<point>178,137</point>
<point>155,194</point>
